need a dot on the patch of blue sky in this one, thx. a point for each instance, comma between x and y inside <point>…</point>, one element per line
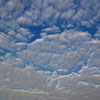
<point>36,30</point>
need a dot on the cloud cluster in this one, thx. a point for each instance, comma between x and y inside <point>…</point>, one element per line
<point>47,51</point>
<point>61,65</point>
<point>35,85</point>
<point>61,13</point>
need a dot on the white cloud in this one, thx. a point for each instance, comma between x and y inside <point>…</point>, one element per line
<point>54,67</point>
<point>68,14</point>
<point>24,21</point>
<point>70,86</point>
<point>66,57</point>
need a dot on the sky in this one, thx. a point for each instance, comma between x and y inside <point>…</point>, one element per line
<point>49,49</point>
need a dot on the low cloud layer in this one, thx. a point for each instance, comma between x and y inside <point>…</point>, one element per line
<point>49,50</point>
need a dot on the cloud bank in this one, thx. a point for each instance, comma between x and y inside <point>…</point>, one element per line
<point>49,50</point>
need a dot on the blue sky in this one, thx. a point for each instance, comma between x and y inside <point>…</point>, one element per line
<point>50,49</point>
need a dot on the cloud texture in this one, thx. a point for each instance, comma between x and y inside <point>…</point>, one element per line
<point>49,50</point>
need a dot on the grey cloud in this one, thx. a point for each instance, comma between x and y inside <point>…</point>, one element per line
<point>83,84</point>
<point>21,62</point>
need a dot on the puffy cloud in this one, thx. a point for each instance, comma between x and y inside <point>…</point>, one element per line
<point>50,12</point>
<point>27,78</point>
<point>69,58</point>
<point>57,51</point>
<point>73,86</point>
<point>63,63</point>
<point>24,21</point>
